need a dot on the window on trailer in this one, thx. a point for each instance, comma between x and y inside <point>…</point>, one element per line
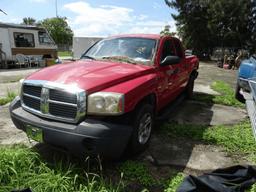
<point>44,38</point>
<point>24,40</point>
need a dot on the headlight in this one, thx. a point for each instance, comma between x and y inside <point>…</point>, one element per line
<point>105,103</point>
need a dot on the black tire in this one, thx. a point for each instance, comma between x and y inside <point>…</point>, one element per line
<point>238,95</point>
<point>143,113</point>
<point>190,87</point>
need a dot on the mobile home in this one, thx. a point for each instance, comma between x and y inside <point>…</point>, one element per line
<point>22,39</point>
<point>81,44</point>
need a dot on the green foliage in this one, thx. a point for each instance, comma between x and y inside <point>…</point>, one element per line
<point>20,167</point>
<point>29,21</point>
<point>236,138</point>
<point>253,189</point>
<point>204,25</point>
<point>174,183</point>
<point>64,54</point>
<point>9,98</point>
<point>166,31</point>
<point>226,97</point>
<point>58,29</point>
<point>136,171</point>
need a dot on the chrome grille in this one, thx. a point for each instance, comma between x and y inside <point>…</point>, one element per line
<point>54,101</point>
<point>62,110</point>
<point>31,102</point>
<point>32,90</point>
<point>62,96</point>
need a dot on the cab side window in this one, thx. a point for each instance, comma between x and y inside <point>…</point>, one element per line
<point>178,47</point>
<point>168,49</point>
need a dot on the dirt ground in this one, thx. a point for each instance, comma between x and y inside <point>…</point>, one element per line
<point>191,156</point>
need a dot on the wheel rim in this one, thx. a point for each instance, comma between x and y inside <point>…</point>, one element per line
<point>145,127</point>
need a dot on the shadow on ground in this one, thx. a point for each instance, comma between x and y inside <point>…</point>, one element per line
<point>167,154</point>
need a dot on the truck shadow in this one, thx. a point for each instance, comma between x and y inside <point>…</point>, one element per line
<point>170,150</point>
<point>175,137</point>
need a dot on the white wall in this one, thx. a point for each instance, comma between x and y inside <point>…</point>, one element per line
<point>81,44</point>
<point>5,41</point>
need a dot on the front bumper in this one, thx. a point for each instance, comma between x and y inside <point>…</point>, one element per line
<point>90,137</point>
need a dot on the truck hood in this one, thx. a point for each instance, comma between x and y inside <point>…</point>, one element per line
<point>91,75</point>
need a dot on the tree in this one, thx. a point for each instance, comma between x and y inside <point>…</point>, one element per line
<point>192,23</point>
<point>166,31</point>
<point>59,30</point>
<point>252,26</point>
<point>205,24</point>
<point>29,21</point>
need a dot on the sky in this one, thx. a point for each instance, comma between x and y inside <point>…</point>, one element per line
<point>95,17</point>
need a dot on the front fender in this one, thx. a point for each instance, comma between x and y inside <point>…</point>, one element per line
<point>135,90</point>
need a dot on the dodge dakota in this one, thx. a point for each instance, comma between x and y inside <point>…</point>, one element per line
<point>106,102</point>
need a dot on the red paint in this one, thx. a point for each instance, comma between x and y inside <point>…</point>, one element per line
<point>134,81</point>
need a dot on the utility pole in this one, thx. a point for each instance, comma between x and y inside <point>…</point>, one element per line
<point>56,7</point>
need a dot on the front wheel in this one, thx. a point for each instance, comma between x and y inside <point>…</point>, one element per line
<point>142,128</point>
<point>190,87</point>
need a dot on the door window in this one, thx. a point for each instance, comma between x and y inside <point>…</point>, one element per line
<point>168,49</point>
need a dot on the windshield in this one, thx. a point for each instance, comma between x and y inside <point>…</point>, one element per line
<point>125,49</point>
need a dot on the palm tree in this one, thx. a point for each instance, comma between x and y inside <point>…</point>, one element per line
<point>29,21</point>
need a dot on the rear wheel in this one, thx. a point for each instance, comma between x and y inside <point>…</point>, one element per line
<point>142,128</point>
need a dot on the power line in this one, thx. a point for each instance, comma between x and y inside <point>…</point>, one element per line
<point>3,11</point>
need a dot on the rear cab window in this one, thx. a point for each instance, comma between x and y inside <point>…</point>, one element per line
<point>178,48</point>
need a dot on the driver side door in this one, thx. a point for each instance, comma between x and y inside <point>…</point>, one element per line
<point>168,74</point>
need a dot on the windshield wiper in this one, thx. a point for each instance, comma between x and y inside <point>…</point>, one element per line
<point>120,58</point>
<point>87,57</point>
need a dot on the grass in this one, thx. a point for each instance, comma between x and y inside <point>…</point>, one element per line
<point>226,97</point>
<point>174,182</point>
<point>21,167</point>
<point>236,139</point>
<point>10,96</point>
<point>137,171</point>
<point>64,53</point>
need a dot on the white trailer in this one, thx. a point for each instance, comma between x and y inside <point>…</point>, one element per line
<point>81,44</point>
<point>23,39</point>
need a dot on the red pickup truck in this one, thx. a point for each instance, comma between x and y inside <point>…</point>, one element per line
<point>107,101</point>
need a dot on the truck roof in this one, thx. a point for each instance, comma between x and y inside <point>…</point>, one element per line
<point>148,36</point>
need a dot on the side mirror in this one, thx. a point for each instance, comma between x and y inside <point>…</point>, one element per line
<point>170,60</point>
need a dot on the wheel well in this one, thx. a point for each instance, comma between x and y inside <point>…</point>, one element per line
<point>150,99</point>
<point>194,74</point>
